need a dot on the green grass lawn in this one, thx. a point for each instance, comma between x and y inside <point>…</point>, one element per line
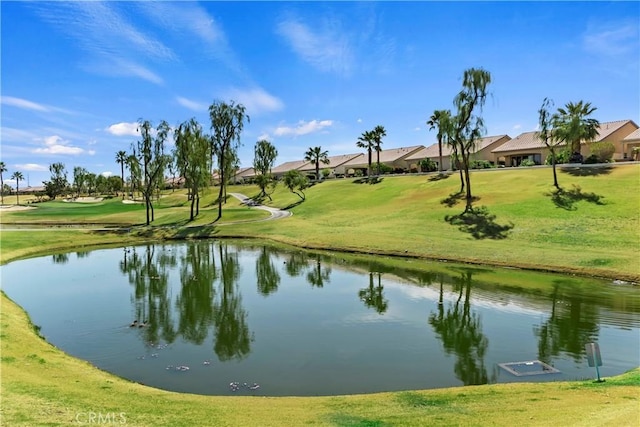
<point>591,228</point>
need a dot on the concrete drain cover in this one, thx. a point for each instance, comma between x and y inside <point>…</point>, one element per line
<point>532,367</point>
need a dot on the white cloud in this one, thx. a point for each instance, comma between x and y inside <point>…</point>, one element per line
<point>359,120</point>
<point>417,128</point>
<point>303,128</point>
<point>256,100</point>
<point>56,145</point>
<point>328,49</point>
<point>22,103</point>
<point>107,174</point>
<point>264,136</point>
<point>16,135</point>
<point>612,39</point>
<point>114,46</point>
<point>34,167</point>
<point>123,129</point>
<point>517,127</point>
<point>191,105</point>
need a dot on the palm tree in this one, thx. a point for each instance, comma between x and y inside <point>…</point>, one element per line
<point>3,169</point>
<point>377,134</point>
<point>315,155</point>
<point>573,125</point>
<point>366,141</point>
<point>18,177</point>
<point>437,120</point>
<point>121,158</point>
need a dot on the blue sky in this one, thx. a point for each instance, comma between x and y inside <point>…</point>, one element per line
<point>77,76</point>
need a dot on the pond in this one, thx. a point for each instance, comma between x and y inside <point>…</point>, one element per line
<point>225,317</point>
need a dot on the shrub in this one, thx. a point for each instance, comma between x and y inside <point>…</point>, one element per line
<point>527,162</point>
<point>384,168</point>
<point>602,152</point>
<point>561,157</point>
<point>480,164</point>
<point>428,165</point>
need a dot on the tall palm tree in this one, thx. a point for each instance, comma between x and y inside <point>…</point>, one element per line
<point>3,169</point>
<point>377,134</point>
<point>315,155</point>
<point>18,177</point>
<point>121,158</point>
<point>366,141</point>
<point>573,125</point>
<point>437,119</point>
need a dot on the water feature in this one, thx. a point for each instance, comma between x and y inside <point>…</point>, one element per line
<point>217,315</point>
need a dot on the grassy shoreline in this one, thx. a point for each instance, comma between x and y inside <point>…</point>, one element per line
<point>41,385</point>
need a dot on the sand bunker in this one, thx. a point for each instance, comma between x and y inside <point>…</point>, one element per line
<point>15,207</point>
<point>84,199</point>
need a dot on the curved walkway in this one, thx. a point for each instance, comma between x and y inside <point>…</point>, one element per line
<point>275,212</point>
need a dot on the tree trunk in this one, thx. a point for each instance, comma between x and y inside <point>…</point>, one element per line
<point>193,201</point>
<point>440,155</point>
<point>465,165</point>
<point>553,165</point>
<point>378,160</point>
<point>369,168</point>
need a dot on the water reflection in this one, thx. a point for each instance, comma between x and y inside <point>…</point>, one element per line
<point>373,297</point>
<point>300,322</point>
<point>572,323</point>
<point>60,258</point>
<point>460,331</point>
<point>266,273</point>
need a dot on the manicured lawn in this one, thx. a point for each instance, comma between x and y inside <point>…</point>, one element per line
<point>592,228</point>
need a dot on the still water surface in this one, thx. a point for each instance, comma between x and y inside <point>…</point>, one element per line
<point>299,323</point>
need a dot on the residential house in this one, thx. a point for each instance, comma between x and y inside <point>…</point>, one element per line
<point>336,165</point>
<point>395,158</point>
<point>527,146</point>
<point>631,146</point>
<point>482,151</point>
<point>283,168</point>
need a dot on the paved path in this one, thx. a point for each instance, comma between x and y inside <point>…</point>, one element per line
<point>275,212</point>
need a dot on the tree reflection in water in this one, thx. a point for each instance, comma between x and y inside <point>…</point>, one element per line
<point>572,323</point>
<point>373,297</point>
<point>460,331</point>
<point>232,337</point>
<point>318,274</point>
<point>195,302</point>
<point>148,274</point>
<point>267,275</point>
<point>200,306</point>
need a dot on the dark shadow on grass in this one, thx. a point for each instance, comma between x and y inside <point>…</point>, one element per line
<point>197,232</point>
<point>439,177</point>
<point>455,198</point>
<point>480,224</point>
<point>567,199</point>
<point>292,205</point>
<point>586,170</point>
<point>372,180</point>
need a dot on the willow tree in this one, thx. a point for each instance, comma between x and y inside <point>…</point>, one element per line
<point>468,124</point>
<point>547,136</point>
<point>192,160</point>
<point>264,157</point>
<point>227,122</point>
<point>152,158</point>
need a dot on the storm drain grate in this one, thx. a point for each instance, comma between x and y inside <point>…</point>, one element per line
<point>532,367</point>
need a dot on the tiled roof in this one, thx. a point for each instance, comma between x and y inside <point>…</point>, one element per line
<point>432,150</point>
<point>287,166</point>
<point>386,156</point>
<point>607,128</point>
<point>529,140</point>
<point>524,141</point>
<point>633,136</point>
<point>334,162</point>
